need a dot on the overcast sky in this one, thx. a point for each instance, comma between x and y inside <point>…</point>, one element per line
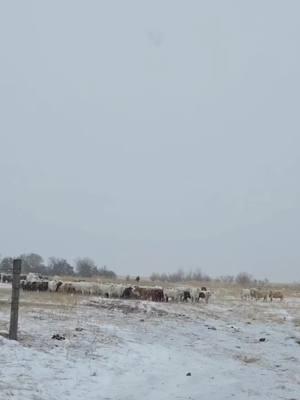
<point>152,135</point>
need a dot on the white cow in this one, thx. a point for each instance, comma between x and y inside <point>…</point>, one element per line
<point>173,294</point>
<point>54,285</point>
<point>116,290</point>
<point>205,295</point>
<point>245,294</point>
<point>259,294</point>
<point>33,277</point>
<point>195,293</point>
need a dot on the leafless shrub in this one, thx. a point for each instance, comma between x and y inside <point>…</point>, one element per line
<point>244,279</point>
<point>226,279</point>
<point>180,276</point>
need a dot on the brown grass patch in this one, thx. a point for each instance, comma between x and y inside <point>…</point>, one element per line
<point>248,359</point>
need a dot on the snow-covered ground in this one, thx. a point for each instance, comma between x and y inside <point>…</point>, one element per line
<point>116,349</point>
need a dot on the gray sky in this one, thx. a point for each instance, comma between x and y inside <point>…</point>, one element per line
<point>152,135</point>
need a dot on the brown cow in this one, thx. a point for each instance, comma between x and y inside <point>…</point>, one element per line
<point>276,295</point>
<point>148,293</point>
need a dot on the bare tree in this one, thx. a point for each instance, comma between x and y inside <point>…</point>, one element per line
<point>244,279</point>
<point>59,266</point>
<point>106,273</point>
<point>33,263</point>
<point>227,278</point>
<point>86,267</point>
<point>6,265</point>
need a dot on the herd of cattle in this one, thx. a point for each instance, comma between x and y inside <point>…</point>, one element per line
<point>257,294</point>
<point>33,282</point>
<point>7,278</point>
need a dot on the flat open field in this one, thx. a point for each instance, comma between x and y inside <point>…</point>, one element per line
<point>118,349</point>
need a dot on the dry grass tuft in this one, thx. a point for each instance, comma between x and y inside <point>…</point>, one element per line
<point>248,359</point>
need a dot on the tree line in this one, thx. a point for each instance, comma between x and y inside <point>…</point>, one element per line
<point>180,276</point>
<point>33,262</point>
<point>242,278</point>
<point>86,267</point>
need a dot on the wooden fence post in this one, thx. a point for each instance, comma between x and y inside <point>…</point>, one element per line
<point>15,294</point>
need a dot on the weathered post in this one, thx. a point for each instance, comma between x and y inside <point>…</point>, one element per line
<point>15,294</point>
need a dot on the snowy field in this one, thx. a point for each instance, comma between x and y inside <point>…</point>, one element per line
<point>118,349</point>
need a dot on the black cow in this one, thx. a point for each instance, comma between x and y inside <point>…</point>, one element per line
<point>40,286</point>
<point>127,293</point>
<point>186,295</point>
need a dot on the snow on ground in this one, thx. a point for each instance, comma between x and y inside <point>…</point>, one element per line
<point>117,349</point>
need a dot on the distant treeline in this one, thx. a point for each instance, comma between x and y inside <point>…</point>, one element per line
<point>33,262</point>
<point>243,278</point>
<point>86,267</point>
<point>180,276</point>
